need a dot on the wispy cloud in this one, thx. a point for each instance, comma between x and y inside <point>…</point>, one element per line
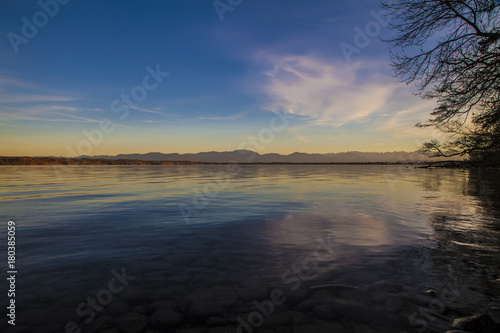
<point>58,108</point>
<point>232,117</point>
<point>39,109</point>
<point>154,111</point>
<point>15,117</point>
<point>87,120</point>
<point>21,100</point>
<point>34,98</point>
<point>330,93</point>
<point>401,124</point>
<point>48,118</point>
<point>6,81</point>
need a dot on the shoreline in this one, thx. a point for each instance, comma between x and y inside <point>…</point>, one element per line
<point>17,161</point>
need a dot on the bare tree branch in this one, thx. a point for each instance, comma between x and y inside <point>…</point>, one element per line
<point>451,50</point>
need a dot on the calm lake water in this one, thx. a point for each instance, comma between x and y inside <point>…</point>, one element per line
<point>254,249</point>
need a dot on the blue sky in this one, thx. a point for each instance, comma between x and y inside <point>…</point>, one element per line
<point>226,78</point>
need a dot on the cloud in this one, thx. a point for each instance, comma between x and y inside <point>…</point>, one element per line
<point>302,138</point>
<point>34,98</point>
<point>9,82</point>
<point>58,108</point>
<point>401,123</point>
<point>232,117</point>
<point>330,93</point>
<point>40,109</point>
<point>47,118</point>
<point>154,111</point>
<point>87,120</point>
<point>13,117</point>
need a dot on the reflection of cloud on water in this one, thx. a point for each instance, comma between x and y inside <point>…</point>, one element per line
<point>356,229</point>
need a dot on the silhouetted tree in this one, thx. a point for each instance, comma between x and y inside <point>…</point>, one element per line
<point>451,49</point>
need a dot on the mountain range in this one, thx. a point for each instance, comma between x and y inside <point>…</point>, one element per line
<point>248,156</point>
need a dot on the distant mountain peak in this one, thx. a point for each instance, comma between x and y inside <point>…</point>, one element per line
<point>246,156</point>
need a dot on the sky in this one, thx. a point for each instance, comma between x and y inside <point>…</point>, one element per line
<point>282,76</point>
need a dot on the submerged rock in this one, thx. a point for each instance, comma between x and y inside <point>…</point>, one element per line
<point>46,329</point>
<point>252,293</point>
<point>150,308</point>
<point>19,329</point>
<point>46,316</point>
<point>111,330</point>
<point>99,323</point>
<point>117,307</point>
<point>317,329</point>
<point>307,305</point>
<point>213,301</point>
<point>480,323</point>
<point>357,328</point>
<point>332,326</point>
<point>216,321</point>
<point>165,293</point>
<point>141,308</point>
<point>131,322</point>
<point>191,330</point>
<point>494,313</point>
<point>166,318</point>
<point>325,311</point>
<point>132,294</point>
<point>222,330</point>
<point>286,318</point>
<point>356,311</point>
<point>431,293</point>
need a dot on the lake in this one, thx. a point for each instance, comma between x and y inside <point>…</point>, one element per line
<point>269,248</point>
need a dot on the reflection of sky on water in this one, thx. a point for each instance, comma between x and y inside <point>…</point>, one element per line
<point>357,205</point>
<point>393,228</point>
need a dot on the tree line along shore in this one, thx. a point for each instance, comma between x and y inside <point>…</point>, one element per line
<point>6,160</point>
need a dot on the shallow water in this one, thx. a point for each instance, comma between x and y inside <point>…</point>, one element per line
<point>338,248</point>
